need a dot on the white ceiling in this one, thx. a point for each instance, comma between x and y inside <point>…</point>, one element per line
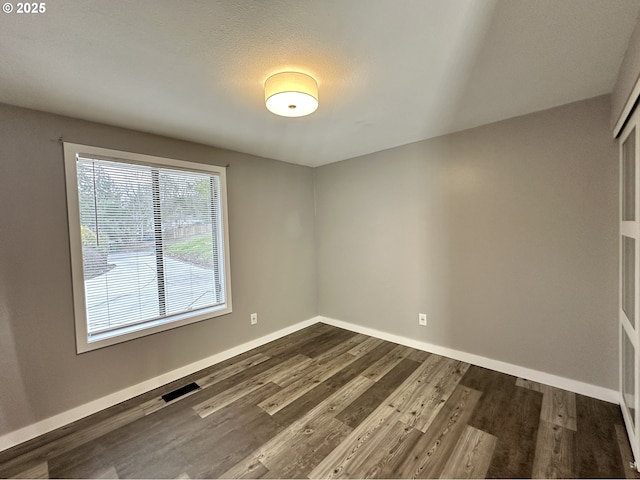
<point>390,72</point>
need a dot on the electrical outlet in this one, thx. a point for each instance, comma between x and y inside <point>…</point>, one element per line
<point>254,318</point>
<point>422,319</point>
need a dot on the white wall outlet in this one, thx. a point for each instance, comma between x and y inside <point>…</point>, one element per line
<point>254,318</point>
<point>422,319</point>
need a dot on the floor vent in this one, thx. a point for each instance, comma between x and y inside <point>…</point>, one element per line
<point>168,397</point>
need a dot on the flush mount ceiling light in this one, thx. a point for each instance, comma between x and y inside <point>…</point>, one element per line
<point>291,94</point>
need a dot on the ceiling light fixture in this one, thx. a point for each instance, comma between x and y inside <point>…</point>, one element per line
<point>291,94</point>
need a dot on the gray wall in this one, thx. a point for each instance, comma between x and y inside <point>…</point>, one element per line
<point>271,227</point>
<point>627,76</point>
<point>505,235</point>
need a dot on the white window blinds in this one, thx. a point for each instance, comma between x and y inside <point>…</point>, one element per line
<point>153,244</point>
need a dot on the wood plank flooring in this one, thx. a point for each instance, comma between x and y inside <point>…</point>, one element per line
<point>328,403</point>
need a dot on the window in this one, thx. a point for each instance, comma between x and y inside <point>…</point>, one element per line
<point>149,244</point>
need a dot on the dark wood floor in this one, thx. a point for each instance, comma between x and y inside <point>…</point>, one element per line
<point>325,402</point>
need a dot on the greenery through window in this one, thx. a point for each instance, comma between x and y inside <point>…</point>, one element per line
<point>152,241</point>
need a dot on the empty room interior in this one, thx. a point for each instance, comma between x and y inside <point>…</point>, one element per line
<point>320,239</point>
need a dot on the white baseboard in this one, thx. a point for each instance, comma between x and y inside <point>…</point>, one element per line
<point>16,437</point>
<point>557,381</point>
<point>44,426</point>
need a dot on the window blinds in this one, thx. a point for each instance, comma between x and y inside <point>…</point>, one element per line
<point>152,243</point>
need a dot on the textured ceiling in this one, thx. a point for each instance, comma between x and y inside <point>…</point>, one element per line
<point>390,72</point>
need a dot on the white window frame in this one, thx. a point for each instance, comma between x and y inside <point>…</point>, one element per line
<point>83,344</point>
